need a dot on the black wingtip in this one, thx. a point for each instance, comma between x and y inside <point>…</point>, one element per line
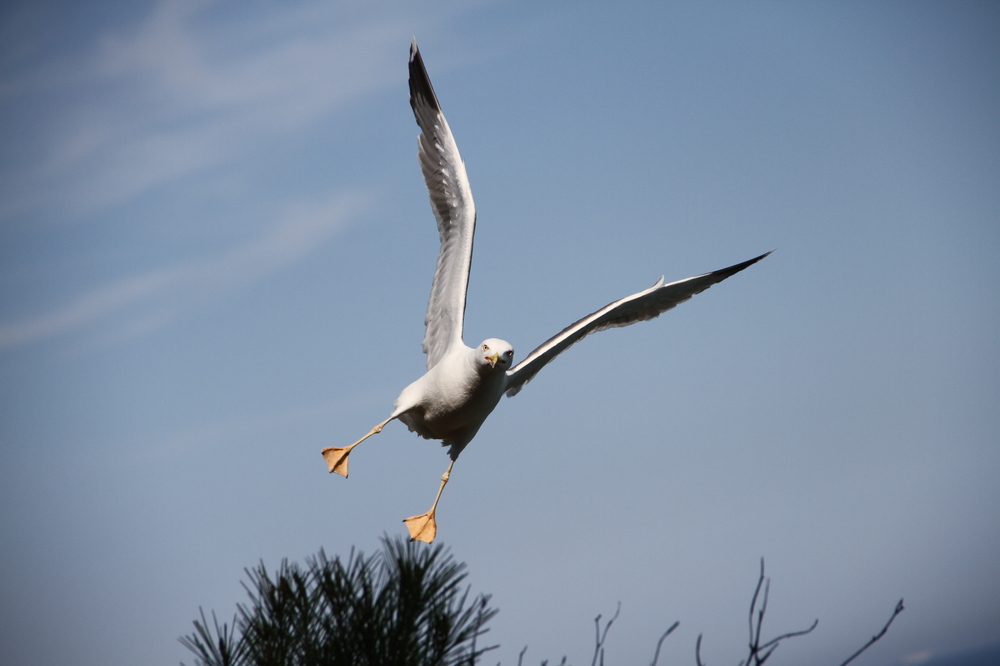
<point>733,270</point>
<point>421,90</point>
<point>766,254</point>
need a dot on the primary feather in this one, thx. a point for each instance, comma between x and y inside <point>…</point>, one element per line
<point>451,201</point>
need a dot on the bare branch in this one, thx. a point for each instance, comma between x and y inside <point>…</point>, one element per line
<point>755,641</point>
<point>759,653</point>
<point>659,643</point>
<point>791,634</point>
<point>697,652</point>
<point>761,660</point>
<point>599,647</point>
<point>753,601</point>
<point>899,609</point>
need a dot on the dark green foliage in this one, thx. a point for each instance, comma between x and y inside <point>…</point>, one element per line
<point>404,606</point>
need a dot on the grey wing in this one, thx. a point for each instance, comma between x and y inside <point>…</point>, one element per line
<point>451,201</point>
<point>642,306</point>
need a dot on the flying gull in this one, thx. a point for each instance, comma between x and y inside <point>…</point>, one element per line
<point>462,385</point>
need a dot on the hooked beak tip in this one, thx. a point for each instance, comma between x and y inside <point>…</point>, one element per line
<point>492,359</point>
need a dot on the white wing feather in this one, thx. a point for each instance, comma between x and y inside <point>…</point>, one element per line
<point>642,306</point>
<point>451,201</point>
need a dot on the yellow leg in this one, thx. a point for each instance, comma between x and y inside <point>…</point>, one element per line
<point>336,456</point>
<point>424,527</point>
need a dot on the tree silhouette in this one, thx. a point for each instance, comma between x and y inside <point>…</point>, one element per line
<point>404,606</point>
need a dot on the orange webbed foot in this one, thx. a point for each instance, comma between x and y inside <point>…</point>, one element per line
<point>336,458</point>
<point>422,527</point>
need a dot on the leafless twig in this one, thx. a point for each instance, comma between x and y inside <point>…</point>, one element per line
<point>599,647</point>
<point>659,643</point>
<point>899,609</point>
<point>759,653</point>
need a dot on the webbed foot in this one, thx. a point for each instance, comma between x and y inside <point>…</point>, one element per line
<point>422,527</point>
<point>336,458</point>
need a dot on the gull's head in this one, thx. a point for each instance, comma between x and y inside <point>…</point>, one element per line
<point>497,354</point>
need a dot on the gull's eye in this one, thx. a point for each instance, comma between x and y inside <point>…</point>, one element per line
<point>486,347</point>
<point>510,352</point>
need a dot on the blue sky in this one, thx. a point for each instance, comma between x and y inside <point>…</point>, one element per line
<point>216,250</point>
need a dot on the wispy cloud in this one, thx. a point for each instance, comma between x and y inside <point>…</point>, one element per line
<point>150,299</point>
<point>188,93</point>
<point>195,85</point>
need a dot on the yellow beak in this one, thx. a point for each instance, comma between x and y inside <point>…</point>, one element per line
<point>493,359</point>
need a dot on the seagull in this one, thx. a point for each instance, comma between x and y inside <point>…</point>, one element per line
<point>462,384</point>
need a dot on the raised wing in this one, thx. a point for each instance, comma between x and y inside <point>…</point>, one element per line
<point>644,305</point>
<point>451,201</point>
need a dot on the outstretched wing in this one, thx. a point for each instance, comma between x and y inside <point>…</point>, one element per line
<point>451,201</point>
<point>638,307</point>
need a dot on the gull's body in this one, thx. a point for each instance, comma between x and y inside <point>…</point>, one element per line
<point>463,385</point>
<point>452,399</point>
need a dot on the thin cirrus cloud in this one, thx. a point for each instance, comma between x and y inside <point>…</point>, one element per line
<point>189,88</point>
<point>145,298</point>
